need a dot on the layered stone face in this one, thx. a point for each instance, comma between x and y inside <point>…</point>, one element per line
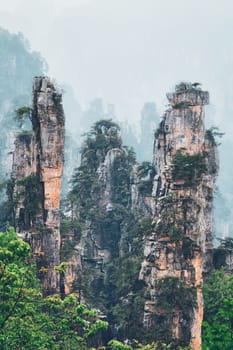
<point>179,249</point>
<point>37,173</point>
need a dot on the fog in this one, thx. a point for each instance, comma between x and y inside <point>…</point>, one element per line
<point>131,51</point>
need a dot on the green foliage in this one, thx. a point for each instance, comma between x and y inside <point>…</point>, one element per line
<point>213,133</point>
<point>61,268</point>
<point>188,247</point>
<point>173,294</point>
<point>171,225</point>
<point>108,225</point>
<point>70,234</point>
<point>31,194</point>
<point>117,345</point>
<point>222,251</point>
<point>118,230</point>
<point>22,114</point>
<point>17,290</point>
<point>172,297</point>
<point>125,293</point>
<point>146,173</point>
<point>86,188</point>
<point>104,135</point>
<point>145,226</point>
<point>72,325</point>
<point>120,178</point>
<point>226,243</point>
<point>32,322</point>
<point>188,167</point>
<point>218,311</point>
<point>174,233</point>
<point>161,346</point>
<point>159,130</point>
<point>145,169</point>
<point>7,207</point>
<point>85,191</point>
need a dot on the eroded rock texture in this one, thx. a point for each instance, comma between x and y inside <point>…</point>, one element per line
<point>92,203</point>
<point>36,175</point>
<point>179,250</point>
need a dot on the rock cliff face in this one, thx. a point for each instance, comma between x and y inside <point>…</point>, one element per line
<point>103,247</point>
<point>91,252</point>
<point>37,175</point>
<point>179,250</point>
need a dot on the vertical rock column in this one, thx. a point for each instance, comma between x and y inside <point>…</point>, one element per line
<point>48,126</point>
<point>178,250</point>
<point>37,175</point>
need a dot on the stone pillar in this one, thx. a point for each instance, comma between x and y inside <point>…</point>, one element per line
<point>178,250</point>
<point>37,174</point>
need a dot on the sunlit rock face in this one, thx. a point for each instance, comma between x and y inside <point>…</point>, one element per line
<point>37,173</point>
<point>179,250</point>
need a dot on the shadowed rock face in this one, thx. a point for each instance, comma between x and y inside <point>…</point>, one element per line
<point>37,173</point>
<point>179,249</point>
<point>90,254</point>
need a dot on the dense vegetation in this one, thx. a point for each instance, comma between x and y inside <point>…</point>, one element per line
<point>188,167</point>
<point>33,322</point>
<point>218,316</point>
<point>29,321</point>
<point>113,286</point>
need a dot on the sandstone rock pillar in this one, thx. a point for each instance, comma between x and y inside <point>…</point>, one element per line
<point>178,251</point>
<point>37,174</point>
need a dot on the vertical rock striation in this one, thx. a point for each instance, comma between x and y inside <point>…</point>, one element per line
<point>179,250</point>
<point>37,174</point>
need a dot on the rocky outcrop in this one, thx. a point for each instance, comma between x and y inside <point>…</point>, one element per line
<point>37,175</point>
<point>91,251</point>
<point>179,249</point>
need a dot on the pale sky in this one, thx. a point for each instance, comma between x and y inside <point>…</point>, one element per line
<point>132,51</point>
